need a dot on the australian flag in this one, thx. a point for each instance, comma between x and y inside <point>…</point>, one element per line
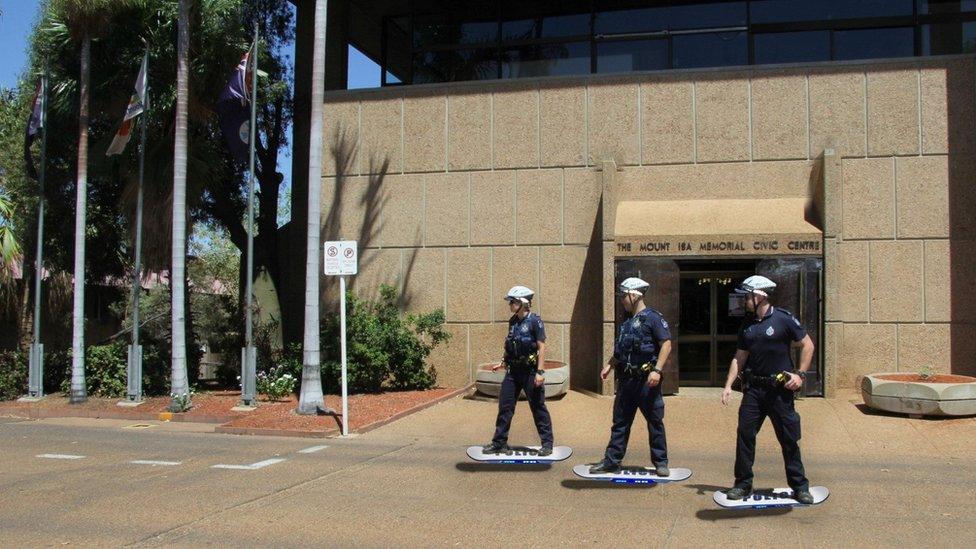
<point>233,111</point>
<point>33,128</point>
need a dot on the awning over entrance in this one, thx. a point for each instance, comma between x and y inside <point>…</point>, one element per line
<point>776,226</point>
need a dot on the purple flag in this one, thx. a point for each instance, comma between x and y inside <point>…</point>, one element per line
<point>33,128</point>
<point>233,112</point>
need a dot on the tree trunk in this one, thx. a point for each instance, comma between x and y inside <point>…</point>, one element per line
<point>79,391</point>
<point>311,394</point>
<point>177,278</point>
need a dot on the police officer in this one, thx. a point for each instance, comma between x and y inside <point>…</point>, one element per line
<point>769,381</point>
<point>524,361</point>
<point>639,354</point>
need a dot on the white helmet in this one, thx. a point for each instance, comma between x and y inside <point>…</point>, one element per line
<point>520,293</point>
<point>633,285</point>
<point>756,284</point>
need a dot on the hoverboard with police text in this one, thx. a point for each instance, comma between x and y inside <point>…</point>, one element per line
<point>767,499</point>
<point>634,475</point>
<point>520,455</point>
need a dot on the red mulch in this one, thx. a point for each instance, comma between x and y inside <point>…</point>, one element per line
<point>273,418</point>
<point>937,378</point>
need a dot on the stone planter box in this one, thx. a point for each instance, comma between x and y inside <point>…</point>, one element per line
<point>939,395</point>
<point>489,383</point>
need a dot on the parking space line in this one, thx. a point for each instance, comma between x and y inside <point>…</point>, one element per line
<point>251,467</point>
<point>312,449</point>
<point>154,462</point>
<point>59,456</point>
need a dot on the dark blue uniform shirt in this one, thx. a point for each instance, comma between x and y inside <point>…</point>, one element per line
<point>768,341</point>
<point>524,335</point>
<point>640,338</point>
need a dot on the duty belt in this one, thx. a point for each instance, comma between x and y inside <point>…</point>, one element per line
<point>634,370</point>
<point>775,381</point>
<point>523,363</point>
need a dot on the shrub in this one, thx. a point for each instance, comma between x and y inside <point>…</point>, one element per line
<point>13,375</point>
<point>106,367</point>
<point>384,349</point>
<point>276,383</point>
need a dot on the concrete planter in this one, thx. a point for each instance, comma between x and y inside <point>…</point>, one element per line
<point>942,395</point>
<point>557,379</point>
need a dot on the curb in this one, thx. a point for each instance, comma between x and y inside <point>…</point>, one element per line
<point>415,409</point>
<point>31,413</point>
<point>258,431</point>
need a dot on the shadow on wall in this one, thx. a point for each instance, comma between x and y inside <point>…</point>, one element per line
<point>961,119</point>
<point>369,205</point>
<point>586,324</point>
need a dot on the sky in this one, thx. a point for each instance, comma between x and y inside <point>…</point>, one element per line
<point>19,17</point>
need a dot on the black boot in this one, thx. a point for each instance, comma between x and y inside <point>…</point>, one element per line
<point>545,451</point>
<point>738,492</point>
<point>494,448</point>
<point>603,467</point>
<point>662,470</point>
<point>803,496</point>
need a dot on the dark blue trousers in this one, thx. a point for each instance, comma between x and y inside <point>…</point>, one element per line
<point>633,393</point>
<point>517,380</point>
<point>757,404</point>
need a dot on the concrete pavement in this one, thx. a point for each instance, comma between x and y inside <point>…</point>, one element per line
<point>894,482</point>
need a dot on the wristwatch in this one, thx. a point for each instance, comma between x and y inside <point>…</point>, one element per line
<point>659,371</point>
<point>540,372</point>
<point>802,374</point>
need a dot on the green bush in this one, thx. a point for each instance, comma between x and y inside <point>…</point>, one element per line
<point>106,367</point>
<point>385,350</point>
<point>13,375</point>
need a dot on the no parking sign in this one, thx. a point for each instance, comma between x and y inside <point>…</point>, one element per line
<point>341,257</point>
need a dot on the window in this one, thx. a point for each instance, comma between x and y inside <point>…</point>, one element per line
<point>874,43</point>
<point>949,38</point>
<point>617,20</point>
<point>714,49</point>
<point>546,60</point>
<point>791,47</point>
<point>632,55</point>
<point>788,11</point>
<point>945,6</point>
<point>714,15</point>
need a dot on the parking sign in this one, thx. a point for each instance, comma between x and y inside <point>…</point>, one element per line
<point>341,257</point>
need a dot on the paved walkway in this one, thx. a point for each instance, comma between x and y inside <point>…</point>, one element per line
<point>894,481</point>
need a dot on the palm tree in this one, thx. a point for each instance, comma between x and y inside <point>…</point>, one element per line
<point>84,19</point>
<point>310,399</point>
<point>9,249</point>
<point>180,388</point>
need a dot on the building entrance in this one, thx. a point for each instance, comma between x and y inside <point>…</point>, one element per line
<point>696,297</point>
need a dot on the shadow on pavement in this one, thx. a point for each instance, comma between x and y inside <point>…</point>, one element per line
<point>704,488</point>
<point>727,514</point>
<point>466,467</point>
<point>579,484</point>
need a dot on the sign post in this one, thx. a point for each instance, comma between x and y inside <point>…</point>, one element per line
<point>342,260</point>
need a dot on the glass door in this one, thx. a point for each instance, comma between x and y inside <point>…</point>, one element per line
<point>707,327</point>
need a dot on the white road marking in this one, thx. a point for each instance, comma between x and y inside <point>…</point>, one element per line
<point>251,467</point>
<point>312,449</point>
<point>153,462</point>
<point>59,456</point>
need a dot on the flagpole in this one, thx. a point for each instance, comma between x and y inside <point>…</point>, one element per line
<point>134,393</point>
<point>36,367</point>
<point>248,360</point>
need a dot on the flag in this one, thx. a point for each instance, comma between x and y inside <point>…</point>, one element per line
<point>137,104</point>
<point>233,112</point>
<point>33,128</point>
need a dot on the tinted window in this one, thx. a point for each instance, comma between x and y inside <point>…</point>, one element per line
<point>780,11</point>
<point>874,43</point>
<point>703,16</point>
<point>792,47</point>
<point>632,55</point>
<point>945,6</point>
<point>625,21</point>
<point>949,38</point>
<point>544,19</point>
<point>710,50</point>
<point>436,30</point>
<point>546,60</point>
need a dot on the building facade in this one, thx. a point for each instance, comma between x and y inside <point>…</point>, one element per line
<point>694,164</point>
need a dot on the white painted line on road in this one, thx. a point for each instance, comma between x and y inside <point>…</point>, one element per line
<point>312,449</point>
<point>251,467</point>
<point>59,456</point>
<point>153,462</point>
